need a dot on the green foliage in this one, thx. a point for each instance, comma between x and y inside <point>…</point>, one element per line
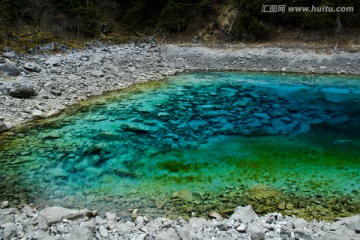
<point>83,18</point>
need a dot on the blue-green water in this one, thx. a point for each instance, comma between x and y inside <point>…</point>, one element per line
<point>202,132</point>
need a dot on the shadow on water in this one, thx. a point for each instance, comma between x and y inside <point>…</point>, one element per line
<point>195,143</point>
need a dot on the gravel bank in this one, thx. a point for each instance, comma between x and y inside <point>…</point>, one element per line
<point>62,223</point>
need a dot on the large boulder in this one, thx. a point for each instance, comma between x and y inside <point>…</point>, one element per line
<point>244,214</point>
<point>22,91</point>
<point>55,215</point>
<point>32,67</point>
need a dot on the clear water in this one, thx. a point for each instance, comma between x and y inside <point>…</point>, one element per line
<point>202,132</point>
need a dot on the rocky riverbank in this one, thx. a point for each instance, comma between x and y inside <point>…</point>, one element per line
<point>60,223</point>
<point>38,86</point>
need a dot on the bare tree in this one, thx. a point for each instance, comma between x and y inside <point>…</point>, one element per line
<point>36,10</point>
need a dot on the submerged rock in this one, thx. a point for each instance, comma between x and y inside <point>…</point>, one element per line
<point>137,128</point>
<point>184,194</point>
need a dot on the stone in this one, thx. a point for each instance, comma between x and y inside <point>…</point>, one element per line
<point>10,230</point>
<point>186,232</point>
<point>80,233</point>
<point>281,206</point>
<point>300,223</point>
<point>37,114</point>
<point>32,67</point>
<point>22,91</point>
<point>244,214</point>
<point>136,128</point>
<point>163,236</point>
<point>124,228</point>
<point>42,223</point>
<point>134,214</point>
<point>97,73</point>
<point>5,126</point>
<point>256,231</point>
<point>4,204</point>
<point>10,54</point>
<point>304,234</point>
<point>199,223</point>
<point>7,215</point>
<point>242,228</point>
<point>57,214</point>
<point>8,68</point>
<point>53,61</point>
<point>183,194</point>
<point>139,222</point>
<point>110,216</point>
<point>289,206</point>
<point>215,215</point>
<point>103,231</point>
<point>254,123</point>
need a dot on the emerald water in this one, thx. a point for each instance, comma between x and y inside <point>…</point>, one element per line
<point>194,143</point>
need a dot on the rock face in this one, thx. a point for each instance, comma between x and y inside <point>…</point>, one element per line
<point>22,91</point>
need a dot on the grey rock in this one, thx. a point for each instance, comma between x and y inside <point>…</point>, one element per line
<point>7,215</point>
<point>186,232</point>
<point>97,73</point>
<point>80,233</point>
<point>163,236</point>
<point>53,61</point>
<point>10,54</point>
<point>300,223</point>
<point>57,214</point>
<point>4,204</point>
<point>110,216</point>
<point>242,228</point>
<point>10,230</point>
<point>5,126</point>
<point>8,68</point>
<point>125,228</point>
<point>304,234</point>
<point>244,214</point>
<point>32,67</point>
<point>103,231</point>
<point>256,231</point>
<point>42,223</point>
<point>139,222</point>
<point>22,91</point>
<point>199,223</point>
<point>37,114</point>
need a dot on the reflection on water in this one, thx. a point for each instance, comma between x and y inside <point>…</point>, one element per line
<point>219,136</point>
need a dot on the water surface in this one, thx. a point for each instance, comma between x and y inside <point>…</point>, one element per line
<point>196,142</point>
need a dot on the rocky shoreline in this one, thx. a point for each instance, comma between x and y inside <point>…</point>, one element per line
<point>38,86</point>
<point>61,223</point>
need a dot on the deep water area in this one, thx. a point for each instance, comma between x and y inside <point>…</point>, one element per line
<point>195,143</point>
